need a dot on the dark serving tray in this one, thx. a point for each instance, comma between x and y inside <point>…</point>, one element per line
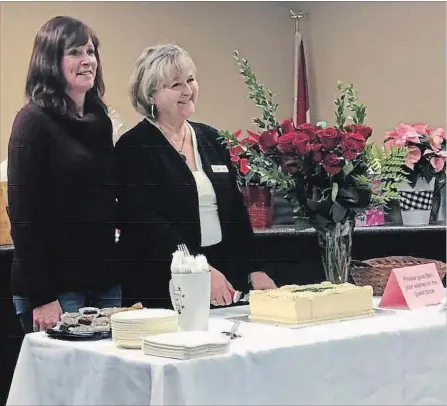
<point>70,336</point>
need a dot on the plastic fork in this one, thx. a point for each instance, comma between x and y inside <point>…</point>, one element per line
<point>232,333</point>
<point>184,249</point>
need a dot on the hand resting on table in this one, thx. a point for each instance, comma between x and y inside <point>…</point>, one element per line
<point>46,316</point>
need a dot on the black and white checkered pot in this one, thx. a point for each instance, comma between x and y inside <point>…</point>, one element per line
<point>416,203</point>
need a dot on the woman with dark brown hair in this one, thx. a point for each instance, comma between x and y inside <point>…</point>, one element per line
<point>61,181</point>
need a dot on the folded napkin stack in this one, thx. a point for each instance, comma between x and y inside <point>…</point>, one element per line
<point>186,344</point>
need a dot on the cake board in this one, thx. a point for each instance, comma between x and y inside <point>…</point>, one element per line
<point>375,313</point>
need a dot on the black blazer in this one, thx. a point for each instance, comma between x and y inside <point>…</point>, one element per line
<point>158,205</point>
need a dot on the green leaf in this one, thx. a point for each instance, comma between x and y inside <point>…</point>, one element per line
<point>338,212</point>
<point>349,194</point>
<point>249,176</point>
<point>322,124</point>
<point>320,222</point>
<point>301,223</point>
<point>334,191</point>
<point>348,168</point>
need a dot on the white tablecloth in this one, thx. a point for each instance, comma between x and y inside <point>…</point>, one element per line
<point>396,358</point>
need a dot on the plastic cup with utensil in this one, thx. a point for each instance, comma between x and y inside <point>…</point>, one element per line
<point>190,296</point>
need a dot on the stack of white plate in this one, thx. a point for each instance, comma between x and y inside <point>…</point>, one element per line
<point>129,327</point>
<point>186,344</point>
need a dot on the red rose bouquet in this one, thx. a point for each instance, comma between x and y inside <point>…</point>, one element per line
<point>254,168</point>
<point>329,173</point>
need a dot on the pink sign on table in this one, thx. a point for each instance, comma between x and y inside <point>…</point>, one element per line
<point>413,287</point>
<point>371,217</point>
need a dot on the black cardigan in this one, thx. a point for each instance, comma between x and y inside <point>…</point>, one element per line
<point>158,206</point>
<point>62,203</point>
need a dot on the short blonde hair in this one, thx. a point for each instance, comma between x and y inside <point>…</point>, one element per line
<point>157,67</point>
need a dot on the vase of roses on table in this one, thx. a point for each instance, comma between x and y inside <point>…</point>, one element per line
<point>329,173</point>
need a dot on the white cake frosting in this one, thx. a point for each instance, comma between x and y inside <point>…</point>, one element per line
<point>296,304</point>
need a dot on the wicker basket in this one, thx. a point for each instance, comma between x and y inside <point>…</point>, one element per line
<point>375,272</point>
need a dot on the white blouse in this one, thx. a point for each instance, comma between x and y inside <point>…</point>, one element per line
<point>211,231</point>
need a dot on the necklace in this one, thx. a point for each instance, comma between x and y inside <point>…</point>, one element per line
<point>179,150</point>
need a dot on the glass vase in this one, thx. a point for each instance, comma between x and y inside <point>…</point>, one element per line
<point>335,242</point>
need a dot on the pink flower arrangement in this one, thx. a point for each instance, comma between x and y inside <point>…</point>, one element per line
<point>426,157</point>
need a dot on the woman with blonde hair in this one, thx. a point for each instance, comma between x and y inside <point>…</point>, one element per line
<point>178,186</point>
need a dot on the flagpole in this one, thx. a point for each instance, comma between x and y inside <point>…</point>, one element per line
<point>297,17</point>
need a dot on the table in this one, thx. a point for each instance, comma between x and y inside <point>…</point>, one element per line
<point>290,256</point>
<point>393,358</point>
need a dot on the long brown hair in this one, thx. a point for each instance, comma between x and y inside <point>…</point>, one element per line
<point>45,82</point>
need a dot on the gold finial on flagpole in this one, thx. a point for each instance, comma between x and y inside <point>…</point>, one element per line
<point>297,17</point>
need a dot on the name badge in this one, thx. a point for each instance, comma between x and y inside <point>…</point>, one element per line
<point>219,168</point>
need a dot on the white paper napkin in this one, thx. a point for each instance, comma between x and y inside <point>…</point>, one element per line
<point>184,263</point>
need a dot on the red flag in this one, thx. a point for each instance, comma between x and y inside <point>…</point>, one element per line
<point>301,113</point>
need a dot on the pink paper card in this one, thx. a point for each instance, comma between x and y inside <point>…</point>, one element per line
<point>413,287</point>
<point>371,217</point>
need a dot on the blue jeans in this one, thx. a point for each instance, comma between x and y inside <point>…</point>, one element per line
<point>70,302</point>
